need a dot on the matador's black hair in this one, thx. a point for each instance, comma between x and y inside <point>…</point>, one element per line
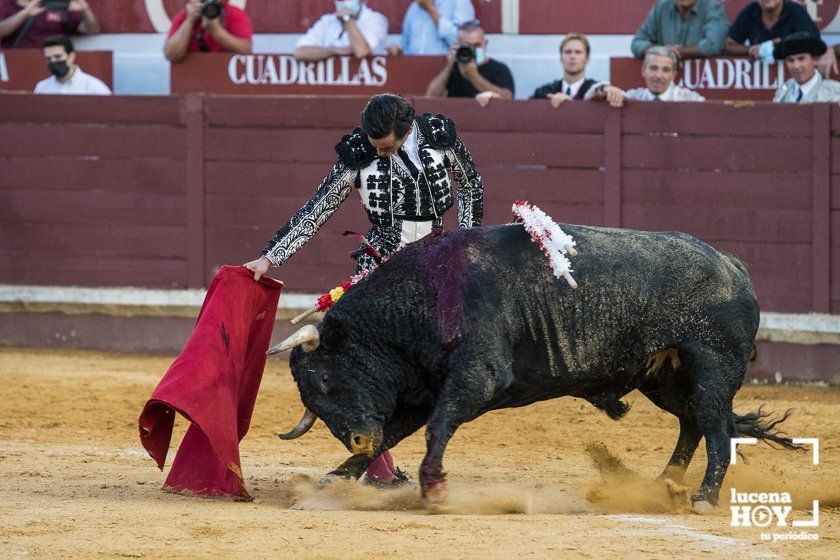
<point>386,113</point>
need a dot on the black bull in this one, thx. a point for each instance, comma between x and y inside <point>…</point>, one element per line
<point>462,323</point>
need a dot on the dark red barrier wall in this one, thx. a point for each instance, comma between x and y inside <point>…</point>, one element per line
<point>160,191</point>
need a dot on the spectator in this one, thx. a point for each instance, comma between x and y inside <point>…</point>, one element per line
<point>762,24</point>
<point>574,56</point>
<point>479,76</point>
<point>430,27</point>
<point>67,78</point>
<point>202,27</point>
<point>26,24</point>
<point>689,28</point>
<point>659,70</point>
<point>353,29</point>
<point>801,52</point>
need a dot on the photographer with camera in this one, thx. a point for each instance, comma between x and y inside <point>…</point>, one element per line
<point>26,24</point>
<point>208,26</point>
<point>469,72</point>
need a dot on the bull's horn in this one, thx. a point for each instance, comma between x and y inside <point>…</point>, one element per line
<point>303,426</point>
<point>307,336</point>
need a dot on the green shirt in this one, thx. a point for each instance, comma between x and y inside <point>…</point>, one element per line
<point>706,27</point>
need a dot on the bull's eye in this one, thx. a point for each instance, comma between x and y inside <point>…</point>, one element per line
<point>324,384</point>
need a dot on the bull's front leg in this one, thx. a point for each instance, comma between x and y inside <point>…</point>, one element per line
<point>406,421</point>
<point>352,468</point>
<point>464,395</point>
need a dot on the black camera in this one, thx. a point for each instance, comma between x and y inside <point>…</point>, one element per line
<point>211,9</point>
<point>56,5</point>
<point>465,54</point>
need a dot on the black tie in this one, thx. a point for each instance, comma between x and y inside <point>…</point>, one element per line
<point>408,163</point>
<point>569,91</point>
<point>799,95</point>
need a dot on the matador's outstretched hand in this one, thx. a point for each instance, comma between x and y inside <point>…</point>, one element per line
<point>258,267</point>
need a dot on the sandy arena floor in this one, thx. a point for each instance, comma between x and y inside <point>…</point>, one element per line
<point>75,482</point>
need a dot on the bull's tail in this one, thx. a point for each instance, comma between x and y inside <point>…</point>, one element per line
<point>762,425</point>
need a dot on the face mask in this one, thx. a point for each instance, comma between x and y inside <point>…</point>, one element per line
<point>59,68</point>
<point>480,55</point>
<point>352,6</point>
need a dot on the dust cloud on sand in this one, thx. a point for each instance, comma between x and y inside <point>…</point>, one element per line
<point>622,490</point>
<point>462,498</point>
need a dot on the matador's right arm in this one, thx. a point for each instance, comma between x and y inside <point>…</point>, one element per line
<point>354,152</point>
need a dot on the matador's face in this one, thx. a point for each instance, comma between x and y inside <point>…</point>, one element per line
<point>388,146</point>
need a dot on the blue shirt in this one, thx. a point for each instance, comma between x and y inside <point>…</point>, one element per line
<point>749,26</point>
<point>421,36</point>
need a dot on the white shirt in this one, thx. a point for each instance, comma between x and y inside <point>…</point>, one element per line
<point>573,88</point>
<point>673,93</point>
<point>807,86</point>
<point>411,231</point>
<point>80,83</point>
<point>411,149</point>
<point>329,33</point>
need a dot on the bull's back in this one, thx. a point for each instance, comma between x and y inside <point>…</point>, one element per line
<point>638,293</point>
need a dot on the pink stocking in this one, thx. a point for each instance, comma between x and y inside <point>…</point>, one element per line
<point>382,469</point>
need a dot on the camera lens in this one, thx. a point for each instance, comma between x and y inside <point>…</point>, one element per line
<point>464,54</point>
<point>211,9</point>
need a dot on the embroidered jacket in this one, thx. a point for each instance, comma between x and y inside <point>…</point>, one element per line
<point>823,91</point>
<point>389,193</point>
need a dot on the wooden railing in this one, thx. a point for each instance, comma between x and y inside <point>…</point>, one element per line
<point>160,191</point>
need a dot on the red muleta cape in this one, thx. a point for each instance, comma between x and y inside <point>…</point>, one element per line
<point>214,383</point>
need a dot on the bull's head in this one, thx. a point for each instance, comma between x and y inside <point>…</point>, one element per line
<point>338,383</point>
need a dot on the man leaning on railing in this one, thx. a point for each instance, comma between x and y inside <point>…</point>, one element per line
<point>761,25</point>
<point>659,71</point>
<point>688,28</point>
<point>353,29</point>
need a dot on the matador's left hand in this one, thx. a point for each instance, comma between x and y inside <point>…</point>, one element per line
<point>258,267</point>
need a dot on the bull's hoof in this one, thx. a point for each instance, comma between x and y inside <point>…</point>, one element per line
<point>435,494</point>
<point>702,507</point>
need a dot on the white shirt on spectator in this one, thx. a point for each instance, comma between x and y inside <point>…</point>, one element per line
<point>329,33</point>
<point>572,89</point>
<point>809,85</point>
<point>80,83</point>
<point>673,93</point>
